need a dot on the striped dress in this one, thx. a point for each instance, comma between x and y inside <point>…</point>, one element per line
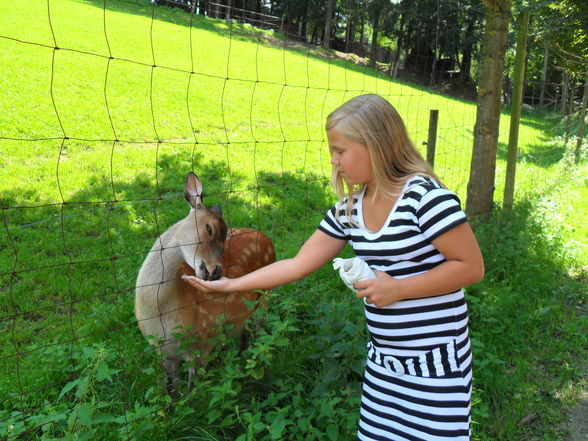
<point>418,378</point>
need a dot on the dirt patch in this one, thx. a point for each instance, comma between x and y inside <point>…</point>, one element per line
<point>578,418</point>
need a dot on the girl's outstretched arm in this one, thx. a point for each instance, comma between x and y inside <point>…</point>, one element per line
<point>319,249</point>
<point>463,266</point>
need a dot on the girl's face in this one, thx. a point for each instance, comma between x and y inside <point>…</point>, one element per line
<point>351,158</point>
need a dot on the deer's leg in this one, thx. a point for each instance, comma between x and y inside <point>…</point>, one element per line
<point>197,359</point>
<point>249,330</point>
<point>191,375</point>
<point>245,337</point>
<point>172,369</point>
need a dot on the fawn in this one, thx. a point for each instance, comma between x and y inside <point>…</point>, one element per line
<point>178,319</point>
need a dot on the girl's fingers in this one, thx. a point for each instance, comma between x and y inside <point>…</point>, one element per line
<point>360,285</point>
<point>206,286</point>
<point>361,293</point>
<point>195,282</point>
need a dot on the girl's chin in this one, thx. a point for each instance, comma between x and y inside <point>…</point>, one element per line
<point>349,181</point>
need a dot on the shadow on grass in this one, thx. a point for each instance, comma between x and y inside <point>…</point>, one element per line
<point>543,155</point>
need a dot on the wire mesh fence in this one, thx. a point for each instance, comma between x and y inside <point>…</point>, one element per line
<point>106,106</point>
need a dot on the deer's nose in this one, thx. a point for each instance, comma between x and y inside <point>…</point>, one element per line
<point>218,272</point>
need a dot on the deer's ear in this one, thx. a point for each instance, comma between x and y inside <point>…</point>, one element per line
<point>193,190</point>
<point>217,209</point>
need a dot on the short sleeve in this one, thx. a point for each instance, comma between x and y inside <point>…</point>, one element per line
<point>439,211</point>
<point>331,226</point>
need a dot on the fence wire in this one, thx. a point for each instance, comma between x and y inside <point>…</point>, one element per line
<point>100,136</point>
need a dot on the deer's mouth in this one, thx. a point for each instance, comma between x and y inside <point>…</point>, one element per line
<point>206,273</point>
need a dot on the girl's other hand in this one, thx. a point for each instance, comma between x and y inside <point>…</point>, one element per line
<point>220,285</point>
<point>381,291</point>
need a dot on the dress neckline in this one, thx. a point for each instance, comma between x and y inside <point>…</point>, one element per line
<point>375,234</point>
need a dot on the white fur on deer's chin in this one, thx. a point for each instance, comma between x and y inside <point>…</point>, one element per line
<point>188,253</point>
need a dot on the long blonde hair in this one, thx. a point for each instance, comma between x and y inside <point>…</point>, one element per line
<point>373,122</point>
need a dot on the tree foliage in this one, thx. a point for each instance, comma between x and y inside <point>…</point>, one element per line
<point>563,25</point>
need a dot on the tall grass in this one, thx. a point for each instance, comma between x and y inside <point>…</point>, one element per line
<point>95,140</point>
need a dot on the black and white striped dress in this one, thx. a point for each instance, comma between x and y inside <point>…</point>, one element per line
<point>418,379</point>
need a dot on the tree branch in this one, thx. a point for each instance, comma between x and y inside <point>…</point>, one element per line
<point>572,57</point>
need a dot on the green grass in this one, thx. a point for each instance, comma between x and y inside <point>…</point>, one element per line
<point>86,189</point>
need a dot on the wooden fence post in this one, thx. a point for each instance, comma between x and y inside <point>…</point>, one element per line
<point>515,113</point>
<point>432,138</point>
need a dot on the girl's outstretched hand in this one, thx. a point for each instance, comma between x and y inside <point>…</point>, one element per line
<point>220,285</point>
<point>381,291</point>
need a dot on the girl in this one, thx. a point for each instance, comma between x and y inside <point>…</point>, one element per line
<point>411,231</point>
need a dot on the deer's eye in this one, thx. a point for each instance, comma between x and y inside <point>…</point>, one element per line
<point>209,229</point>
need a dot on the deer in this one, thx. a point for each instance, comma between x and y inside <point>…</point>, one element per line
<point>181,321</point>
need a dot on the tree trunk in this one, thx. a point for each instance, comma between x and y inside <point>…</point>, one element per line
<point>483,165</point>
<point>375,23</point>
<point>515,113</point>
<point>396,60</point>
<point>582,124</point>
<point>569,112</point>
<point>564,92</point>
<point>466,60</point>
<point>216,9</point>
<point>303,30</point>
<point>202,7</point>
<point>544,76</point>
<point>229,10</point>
<point>399,46</point>
<point>328,21</point>
<point>349,34</point>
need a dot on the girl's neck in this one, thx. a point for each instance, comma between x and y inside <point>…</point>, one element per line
<point>376,196</point>
<point>377,208</point>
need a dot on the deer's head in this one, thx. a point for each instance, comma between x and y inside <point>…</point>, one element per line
<point>202,233</point>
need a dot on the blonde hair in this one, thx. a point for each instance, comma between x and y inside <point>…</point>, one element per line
<point>373,122</point>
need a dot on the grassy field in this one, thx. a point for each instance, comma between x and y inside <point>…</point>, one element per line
<point>104,111</point>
